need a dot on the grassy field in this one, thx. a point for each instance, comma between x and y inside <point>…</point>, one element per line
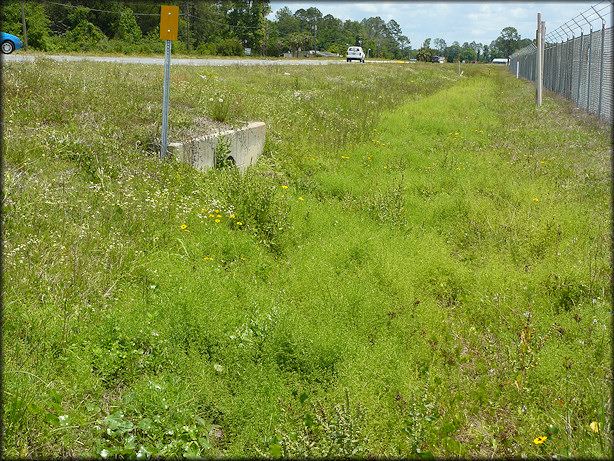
<point>418,265</point>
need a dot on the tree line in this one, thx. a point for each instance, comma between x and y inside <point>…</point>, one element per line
<point>222,27</point>
<point>508,41</point>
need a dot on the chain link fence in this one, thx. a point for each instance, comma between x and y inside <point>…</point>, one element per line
<point>579,68</point>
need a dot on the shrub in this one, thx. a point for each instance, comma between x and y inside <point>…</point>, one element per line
<point>127,27</point>
<point>84,37</point>
<point>229,47</point>
<point>207,49</point>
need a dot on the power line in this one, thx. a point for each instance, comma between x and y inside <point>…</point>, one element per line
<point>151,14</point>
<point>99,11</point>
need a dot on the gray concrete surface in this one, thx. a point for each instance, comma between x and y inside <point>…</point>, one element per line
<point>245,146</point>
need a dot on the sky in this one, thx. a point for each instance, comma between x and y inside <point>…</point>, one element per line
<point>455,21</point>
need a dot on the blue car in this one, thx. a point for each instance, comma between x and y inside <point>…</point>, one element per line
<point>9,43</point>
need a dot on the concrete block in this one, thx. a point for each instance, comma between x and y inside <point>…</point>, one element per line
<point>245,146</point>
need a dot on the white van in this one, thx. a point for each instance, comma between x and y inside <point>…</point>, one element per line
<point>355,53</point>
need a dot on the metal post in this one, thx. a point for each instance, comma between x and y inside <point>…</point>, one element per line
<point>573,45</point>
<point>542,26</point>
<point>167,78</point>
<point>551,69</point>
<point>588,86</point>
<point>601,70</point>
<point>580,66</point>
<point>570,64</point>
<point>546,65</point>
<point>517,64</point>
<point>579,59</point>
<point>538,61</point>
<point>567,76</point>
<point>560,85</point>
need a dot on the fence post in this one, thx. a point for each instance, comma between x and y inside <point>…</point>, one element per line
<point>552,65</point>
<point>517,63</point>
<point>573,45</point>
<point>567,73</point>
<point>601,70</point>
<point>569,64</point>
<point>588,86</point>
<point>580,65</point>
<point>539,60</point>
<point>549,79</point>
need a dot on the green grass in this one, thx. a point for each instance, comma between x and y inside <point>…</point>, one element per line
<point>412,266</point>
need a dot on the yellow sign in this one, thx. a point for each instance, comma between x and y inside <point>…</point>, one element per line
<point>169,22</point>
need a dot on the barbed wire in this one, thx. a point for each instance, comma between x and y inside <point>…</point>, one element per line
<point>593,14</point>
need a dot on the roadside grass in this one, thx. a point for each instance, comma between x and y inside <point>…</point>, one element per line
<point>411,268</point>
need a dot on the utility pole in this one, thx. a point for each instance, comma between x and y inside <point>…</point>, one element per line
<point>187,17</point>
<point>23,23</point>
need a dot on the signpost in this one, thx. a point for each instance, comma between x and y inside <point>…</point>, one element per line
<point>169,26</point>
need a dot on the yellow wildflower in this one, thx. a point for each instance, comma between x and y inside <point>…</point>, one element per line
<point>183,226</point>
<point>539,440</point>
<point>594,427</point>
<point>284,187</point>
<point>217,220</point>
<point>239,223</point>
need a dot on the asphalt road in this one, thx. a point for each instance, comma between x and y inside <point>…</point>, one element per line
<point>16,57</point>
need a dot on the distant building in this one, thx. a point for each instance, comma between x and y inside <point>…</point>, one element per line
<point>501,61</point>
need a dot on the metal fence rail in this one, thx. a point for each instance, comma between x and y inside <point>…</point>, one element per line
<point>579,68</point>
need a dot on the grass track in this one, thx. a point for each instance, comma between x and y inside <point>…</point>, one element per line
<point>448,275</point>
